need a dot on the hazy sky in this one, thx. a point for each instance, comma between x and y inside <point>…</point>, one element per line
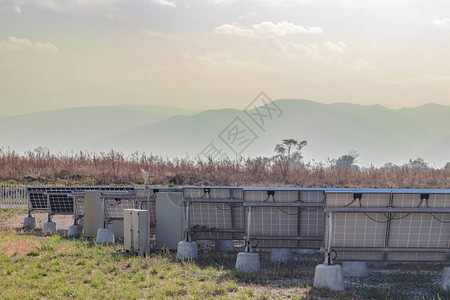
<point>212,54</point>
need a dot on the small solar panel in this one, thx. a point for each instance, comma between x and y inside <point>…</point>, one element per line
<point>61,204</point>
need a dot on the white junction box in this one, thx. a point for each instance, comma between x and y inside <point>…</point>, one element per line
<point>135,230</point>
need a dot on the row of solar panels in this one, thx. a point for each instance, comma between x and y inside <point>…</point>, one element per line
<point>366,224</point>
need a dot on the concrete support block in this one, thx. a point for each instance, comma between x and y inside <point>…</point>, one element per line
<point>75,231</point>
<point>329,276</point>
<point>49,227</point>
<point>355,268</point>
<point>445,281</point>
<point>280,255</point>
<point>248,262</point>
<point>105,235</point>
<point>187,250</point>
<point>81,222</point>
<point>29,222</point>
<point>224,245</point>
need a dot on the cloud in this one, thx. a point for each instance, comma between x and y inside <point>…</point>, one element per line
<point>164,3</point>
<point>284,28</point>
<point>14,44</point>
<point>442,22</point>
<point>104,8</point>
<point>279,29</point>
<point>361,64</point>
<point>232,29</point>
<point>154,34</point>
<point>270,3</point>
<point>222,60</point>
<point>339,47</point>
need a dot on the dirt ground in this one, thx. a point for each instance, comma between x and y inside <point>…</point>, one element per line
<point>16,221</point>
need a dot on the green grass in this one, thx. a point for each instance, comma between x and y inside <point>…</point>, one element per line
<point>54,267</point>
<point>35,266</point>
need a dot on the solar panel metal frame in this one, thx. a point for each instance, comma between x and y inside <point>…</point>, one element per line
<point>302,228</point>
<point>397,240</point>
<point>220,217</point>
<point>114,203</point>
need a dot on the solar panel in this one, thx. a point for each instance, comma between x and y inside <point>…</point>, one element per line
<point>286,227</point>
<point>211,216</point>
<point>60,203</point>
<point>397,228</point>
<point>37,198</point>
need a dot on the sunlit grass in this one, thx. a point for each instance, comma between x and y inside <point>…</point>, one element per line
<point>35,266</point>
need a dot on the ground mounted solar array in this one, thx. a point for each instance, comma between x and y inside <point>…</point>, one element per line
<point>367,224</point>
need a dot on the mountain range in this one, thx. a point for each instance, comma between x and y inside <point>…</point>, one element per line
<point>378,133</point>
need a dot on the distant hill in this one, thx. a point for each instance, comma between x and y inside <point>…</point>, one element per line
<point>77,128</point>
<point>379,134</point>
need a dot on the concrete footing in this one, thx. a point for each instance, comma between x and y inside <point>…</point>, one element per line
<point>49,227</point>
<point>355,268</point>
<point>81,222</point>
<point>187,250</point>
<point>329,276</point>
<point>445,281</point>
<point>105,235</point>
<point>224,245</point>
<point>248,262</point>
<point>29,222</point>
<point>75,231</point>
<point>280,255</point>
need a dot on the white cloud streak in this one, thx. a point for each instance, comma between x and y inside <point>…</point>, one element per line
<point>154,34</point>
<point>14,44</point>
<point>279,29</point>
<point>338,47</point>
<point>164,3</point>
<point>270,3</point>
<point>442,22</point>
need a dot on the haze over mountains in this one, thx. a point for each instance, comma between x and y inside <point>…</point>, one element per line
<point>379,134</point>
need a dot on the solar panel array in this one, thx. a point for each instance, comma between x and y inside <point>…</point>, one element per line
<point>392,236</point>
<point>38,198</point>
<point>58,200</point>
<point>283,226</point>
<point>367,224</point>
<point>215,212</point>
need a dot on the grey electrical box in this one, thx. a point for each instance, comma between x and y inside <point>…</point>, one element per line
<point>170,221</point>
<point>135,229</point>
<point>93,216</point>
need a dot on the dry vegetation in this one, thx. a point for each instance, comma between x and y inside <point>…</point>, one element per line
<point>42,167</point>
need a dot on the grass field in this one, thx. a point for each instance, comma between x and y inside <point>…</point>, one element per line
<point>36,266</point>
